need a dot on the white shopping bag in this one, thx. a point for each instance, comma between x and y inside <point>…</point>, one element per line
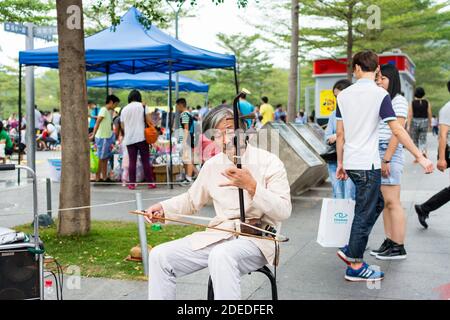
<point>336,218</point>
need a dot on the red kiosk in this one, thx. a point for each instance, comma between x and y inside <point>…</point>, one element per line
<point>328,71</point>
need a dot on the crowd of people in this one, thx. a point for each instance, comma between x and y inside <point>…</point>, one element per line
<point>121,129</point>
<point>47,125</point>
<point>48,129</point>
<point>369,157</point>
<point>265,112</point>
<point>108,133</point>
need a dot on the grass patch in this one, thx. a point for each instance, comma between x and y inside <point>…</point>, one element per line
<point>102,252</point>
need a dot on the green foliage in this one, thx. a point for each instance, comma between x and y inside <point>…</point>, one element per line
<point>98,16</point>
<point>254,72</point>
<point>8,91</point>
<point>102,252</point>
<point>419,28</point>
<point>251,63</point>
<point>152,10</point>
<point>46,91</point>
<point>103,14</point>
<point>26,11</point>
<point>47,94</point>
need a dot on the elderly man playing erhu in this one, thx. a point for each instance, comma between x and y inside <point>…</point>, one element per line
<point>228,256</point>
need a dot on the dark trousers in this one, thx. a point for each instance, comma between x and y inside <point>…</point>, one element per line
<point>435,131</point>
<point>369,205</point>
<point>9,151</point>
<point>437,201</point>
<point>133,149</point>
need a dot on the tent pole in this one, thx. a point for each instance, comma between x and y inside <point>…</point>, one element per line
<point>167,128</point>
<point>107,80</point>
<point>20,119</point>
<point>170,125</point>
<point>236,83</point>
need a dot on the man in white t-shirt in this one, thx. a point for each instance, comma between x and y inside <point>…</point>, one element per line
<point>443,196</point>
<point>56,117</point>
<point>49,137</point>
<point>133,118</point>
<point>360,108</point>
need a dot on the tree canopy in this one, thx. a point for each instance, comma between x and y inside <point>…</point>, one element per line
<point>337,28</point>
<point>152,10</point>
<point>36,11</point>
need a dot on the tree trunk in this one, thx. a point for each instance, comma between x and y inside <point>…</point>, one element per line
<point>75,175</point>
<point>293,72</point>
<point>350,41</point>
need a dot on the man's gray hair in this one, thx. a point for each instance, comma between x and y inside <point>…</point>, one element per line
<point>216,115</point>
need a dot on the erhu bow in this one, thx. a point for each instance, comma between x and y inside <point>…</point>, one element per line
<point>272,236</point>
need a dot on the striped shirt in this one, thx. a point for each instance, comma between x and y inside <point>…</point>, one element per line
<point>186,118</point>
<point>400,106</point>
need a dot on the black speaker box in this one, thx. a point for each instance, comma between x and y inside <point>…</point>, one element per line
<point>19,275</point>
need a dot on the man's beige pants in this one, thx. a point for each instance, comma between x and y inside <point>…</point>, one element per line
<point>227,261</point>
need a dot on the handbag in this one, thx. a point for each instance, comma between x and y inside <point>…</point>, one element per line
<point>150,132</point>
<point>330,155</point>
<point>336,218</point>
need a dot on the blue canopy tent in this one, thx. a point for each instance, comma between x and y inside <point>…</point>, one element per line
<point>149,81</point>
<point>133,48</point>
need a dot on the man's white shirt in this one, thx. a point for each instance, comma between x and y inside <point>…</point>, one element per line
<point>360,107</point>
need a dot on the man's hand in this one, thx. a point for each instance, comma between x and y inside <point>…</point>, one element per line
<point>340,173</point>
<point>154,213</point>
<point>385,170</point>
<point>426,164</point>
<point>332,139</point>
<point>241,178</point>
<point>91,136</point>
<point>442,165</point>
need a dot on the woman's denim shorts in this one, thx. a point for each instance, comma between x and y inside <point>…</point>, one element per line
<point>396,164</point>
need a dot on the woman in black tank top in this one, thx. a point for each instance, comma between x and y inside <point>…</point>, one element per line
<point>420,109</point>
<point>419,120</point>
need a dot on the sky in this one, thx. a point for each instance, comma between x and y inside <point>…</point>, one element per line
<point>199,31</point>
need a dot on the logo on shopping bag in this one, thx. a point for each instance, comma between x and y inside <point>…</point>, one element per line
<point>340,218</point>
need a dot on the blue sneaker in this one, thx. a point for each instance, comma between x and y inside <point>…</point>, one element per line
<point>364,274</point>
<point>342,254</point>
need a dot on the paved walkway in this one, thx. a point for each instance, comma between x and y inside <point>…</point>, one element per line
<point>307,270</point>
